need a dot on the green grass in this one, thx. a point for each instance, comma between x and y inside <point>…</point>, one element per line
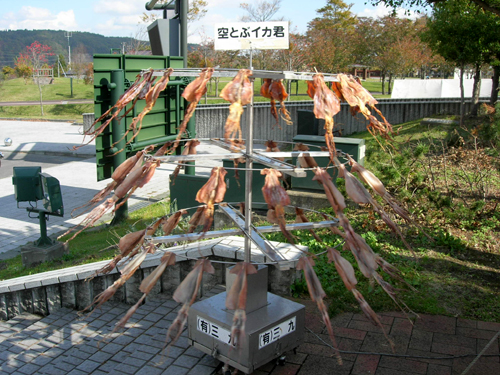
<point>16,90</point>
<point>51,112</point>
<point>89,246</point>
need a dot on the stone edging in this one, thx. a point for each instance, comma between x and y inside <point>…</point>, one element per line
<point>46,292</point>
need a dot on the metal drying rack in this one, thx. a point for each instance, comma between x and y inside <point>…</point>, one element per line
<point>252,233</point>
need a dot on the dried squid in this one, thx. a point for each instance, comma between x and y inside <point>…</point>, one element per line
<point>317,294</point>
<point>236,300</point>
<point>134,92</point>
<point>326,105</point>
<point>276,198</point>
<point>193,93</point>
<point>273,89</point>
<point>186,294</point>
<point>151,97</point>
<point>210,193</point>
<point>239,93</point>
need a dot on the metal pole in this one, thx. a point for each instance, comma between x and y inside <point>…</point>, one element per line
<point>44,239</point>
<point>118,130</point>
<point>183,17</point>
<point>248,177</point>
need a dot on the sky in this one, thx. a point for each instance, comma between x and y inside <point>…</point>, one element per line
<point>122,17</point>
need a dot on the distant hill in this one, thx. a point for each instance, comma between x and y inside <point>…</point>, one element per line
<point>12,42</point>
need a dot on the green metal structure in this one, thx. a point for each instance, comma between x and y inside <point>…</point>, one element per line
<point>351,146</point>
<point>113,74</point>
<point>31,185</point>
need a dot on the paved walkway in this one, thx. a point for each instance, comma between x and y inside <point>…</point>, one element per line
<point>77,179</point>
<point>63,343</point>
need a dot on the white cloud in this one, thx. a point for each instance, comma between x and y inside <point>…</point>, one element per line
<point>382,11</point>
<point>32,18</point>
<point>120,6</point>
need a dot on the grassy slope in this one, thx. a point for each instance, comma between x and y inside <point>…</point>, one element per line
<point>456,275</point>
<point>17,90</point>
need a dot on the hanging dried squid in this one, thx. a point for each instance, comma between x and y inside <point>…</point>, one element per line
<point>317,294</point>
<point>326,105</point>
<point>239,93</point>
<point>275,91</point>
<point>210,193</point>
<point>193,93</point>
<point>276,198</point>
<point>151,97</point>
<point>132,94</point>
<point>186,294</point>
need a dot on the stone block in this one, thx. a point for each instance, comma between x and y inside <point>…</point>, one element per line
<point>25,301</point>
<point>157,287</point>
<point>3,308</point>
<point>32,255</point>
<point>39,298</point>
<point>224,251</point>
<point>68,277</point>
<point>68,295</point>
<point>53,298</point>
<point>84,294</point>
<point>281,280</point>
<point>132,292</point>
<point>307,199</point>
<point>14,287</point>
<point>171,278</point>
<point>32,284</point>
<point>12,305</point>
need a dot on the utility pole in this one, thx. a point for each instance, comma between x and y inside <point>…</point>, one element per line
<point>69,34</point>
<point>123,48</point>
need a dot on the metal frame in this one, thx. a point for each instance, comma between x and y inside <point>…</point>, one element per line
<point>244,222</point>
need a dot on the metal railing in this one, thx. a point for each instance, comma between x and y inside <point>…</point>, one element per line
<point>210,118</point>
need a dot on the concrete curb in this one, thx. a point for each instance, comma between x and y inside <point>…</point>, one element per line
<point>47,292</point>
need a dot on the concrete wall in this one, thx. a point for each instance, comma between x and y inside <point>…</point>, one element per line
<point>210,119</point>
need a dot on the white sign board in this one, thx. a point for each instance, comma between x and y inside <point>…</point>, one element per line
<point>213,330</point>
<point>275,333</point>
<point>251,35</point>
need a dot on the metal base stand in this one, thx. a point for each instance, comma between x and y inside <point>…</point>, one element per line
<point>274,325</point>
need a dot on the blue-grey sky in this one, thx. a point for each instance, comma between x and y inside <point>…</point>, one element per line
<point>121,17</point>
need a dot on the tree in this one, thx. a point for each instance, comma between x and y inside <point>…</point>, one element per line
<point>37,54</point>
<point>463,33</point>
<point>8,72</point>
<point>330,37</point>
<point>261,11</point>
<point>81,58</point>
<point>492,6</point>
<point>197,10</point>
<point>23,67</point>
<point>63,66</point>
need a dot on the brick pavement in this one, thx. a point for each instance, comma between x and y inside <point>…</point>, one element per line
<point>64,343</point>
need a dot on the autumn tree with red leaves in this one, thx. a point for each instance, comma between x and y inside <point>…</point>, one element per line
<point>37,54</point>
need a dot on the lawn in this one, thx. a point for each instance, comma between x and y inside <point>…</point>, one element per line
<point>16,90</point>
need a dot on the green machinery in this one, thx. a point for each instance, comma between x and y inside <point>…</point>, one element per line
<point>31,185</point>
<point>113,74</point>
<point>351,146</point>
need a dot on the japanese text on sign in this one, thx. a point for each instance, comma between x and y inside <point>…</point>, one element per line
<point>277,332</point>
<point>213,330</point>
<point>251,35</point>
